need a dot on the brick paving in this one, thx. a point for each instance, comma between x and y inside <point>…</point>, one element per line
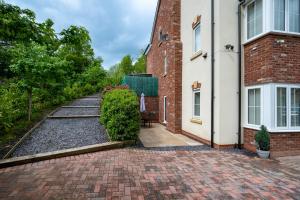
<point>136,173</point>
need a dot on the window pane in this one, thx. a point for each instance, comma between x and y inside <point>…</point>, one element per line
<point>250,20</point>
<point>294,16</point>
<point>197,104</point>
<point>279,15</point>
<point>281,107</point>
<point>254,106</point>
<point>259,17</point>
<point>197,38</point>
<point>295,107</point>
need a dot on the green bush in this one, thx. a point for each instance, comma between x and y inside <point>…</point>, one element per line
<point>262,138</point>
<point>120,114</point>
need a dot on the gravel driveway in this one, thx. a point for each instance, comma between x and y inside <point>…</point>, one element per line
<point>65,133</point>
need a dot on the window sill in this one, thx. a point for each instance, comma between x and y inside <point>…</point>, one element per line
<point>196,121</point>
<point>247,41</point>
<point>196,55</point>
<point>273,130</point>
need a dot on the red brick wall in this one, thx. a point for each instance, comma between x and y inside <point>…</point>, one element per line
<point>151,104</point>
<point>282,144</point>
<point>168,21</point>
<point>267,60</point>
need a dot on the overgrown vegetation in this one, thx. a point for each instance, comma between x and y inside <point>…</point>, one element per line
<point>40,69</point>
<point>120,114</point>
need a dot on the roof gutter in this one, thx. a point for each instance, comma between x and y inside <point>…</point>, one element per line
<point>212,72</point>
<point>240,73</point>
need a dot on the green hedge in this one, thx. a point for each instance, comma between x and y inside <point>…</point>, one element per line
<point>120,114</point>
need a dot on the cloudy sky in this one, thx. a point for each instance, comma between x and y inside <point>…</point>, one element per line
<point>117,27</point>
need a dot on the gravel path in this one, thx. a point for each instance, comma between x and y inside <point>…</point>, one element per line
<point>76,111</point>
<point>59,134</point>
<point>86,102</point>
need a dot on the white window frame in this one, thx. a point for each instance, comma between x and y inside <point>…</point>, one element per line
<point>288,111</point>
<point>194,38</point>
<point>165,110</point>
<point>268,21</point>
<point>286,17</point>
<point>261,106</point>
<point>194,92</point>
<point>246,20</point>
<point>165,63</point>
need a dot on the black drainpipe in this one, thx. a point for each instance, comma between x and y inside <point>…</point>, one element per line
<point>240,72</point>
<point>212,71</point>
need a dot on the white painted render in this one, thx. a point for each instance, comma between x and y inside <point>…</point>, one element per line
<point>199,69</point>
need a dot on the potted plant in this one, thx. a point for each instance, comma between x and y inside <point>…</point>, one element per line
<point>262,139</point>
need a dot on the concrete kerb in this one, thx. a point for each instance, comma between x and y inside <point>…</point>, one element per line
<point>63,153</point>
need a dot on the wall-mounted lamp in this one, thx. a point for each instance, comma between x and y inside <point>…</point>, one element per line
<point>229,47</point>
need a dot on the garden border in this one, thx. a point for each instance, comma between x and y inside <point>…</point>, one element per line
<point>63,153</point>
<point>8,154</point>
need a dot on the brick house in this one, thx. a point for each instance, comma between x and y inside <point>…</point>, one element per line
<point>227,67</point>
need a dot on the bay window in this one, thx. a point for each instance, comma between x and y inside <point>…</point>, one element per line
<point>276,106</point>
<point>272,15</point>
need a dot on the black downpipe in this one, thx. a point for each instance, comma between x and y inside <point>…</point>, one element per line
<point>240,73</point>
<point>212,72</point>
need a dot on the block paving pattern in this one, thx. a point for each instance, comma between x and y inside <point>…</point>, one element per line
<point>136,173</point>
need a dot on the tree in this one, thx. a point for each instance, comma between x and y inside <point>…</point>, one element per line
<point>126,65</point>
<point>37,69</point>
<point>140,64</point>
<point>17,25</point>
<point>76,48</point>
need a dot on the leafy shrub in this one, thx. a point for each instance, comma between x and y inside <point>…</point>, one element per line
<point>12,106</point>
<point>120,114</point>
<point>262,138</point>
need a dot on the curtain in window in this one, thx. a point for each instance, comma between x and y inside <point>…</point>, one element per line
<point>295,107</point>
<point>281,107</point>
<point>279,15</point>
<point>294,16</point>
<point>197,104</point>
<point>254,106</point>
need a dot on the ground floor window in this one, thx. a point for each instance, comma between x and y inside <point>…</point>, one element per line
<point>254,106</point>
<point>277,106</point>
<point>196,104</point>
<point>287,107</point>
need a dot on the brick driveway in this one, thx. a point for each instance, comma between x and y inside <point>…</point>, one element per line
<point>143,174</point>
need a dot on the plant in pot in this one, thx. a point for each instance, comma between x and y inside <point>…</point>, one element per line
<point>262,139</point>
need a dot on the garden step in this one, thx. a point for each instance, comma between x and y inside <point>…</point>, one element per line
<point>73,116</point>
<point>80,106</point>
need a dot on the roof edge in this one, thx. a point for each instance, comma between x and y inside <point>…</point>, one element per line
<point>155,20</point>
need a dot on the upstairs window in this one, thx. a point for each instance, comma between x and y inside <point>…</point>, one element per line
<point>165,63</point>
<point>197,38</point>
<point>287,15</point>
<point>254,18</point>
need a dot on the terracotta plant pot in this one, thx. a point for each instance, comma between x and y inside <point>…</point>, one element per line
<point>263,154</point>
